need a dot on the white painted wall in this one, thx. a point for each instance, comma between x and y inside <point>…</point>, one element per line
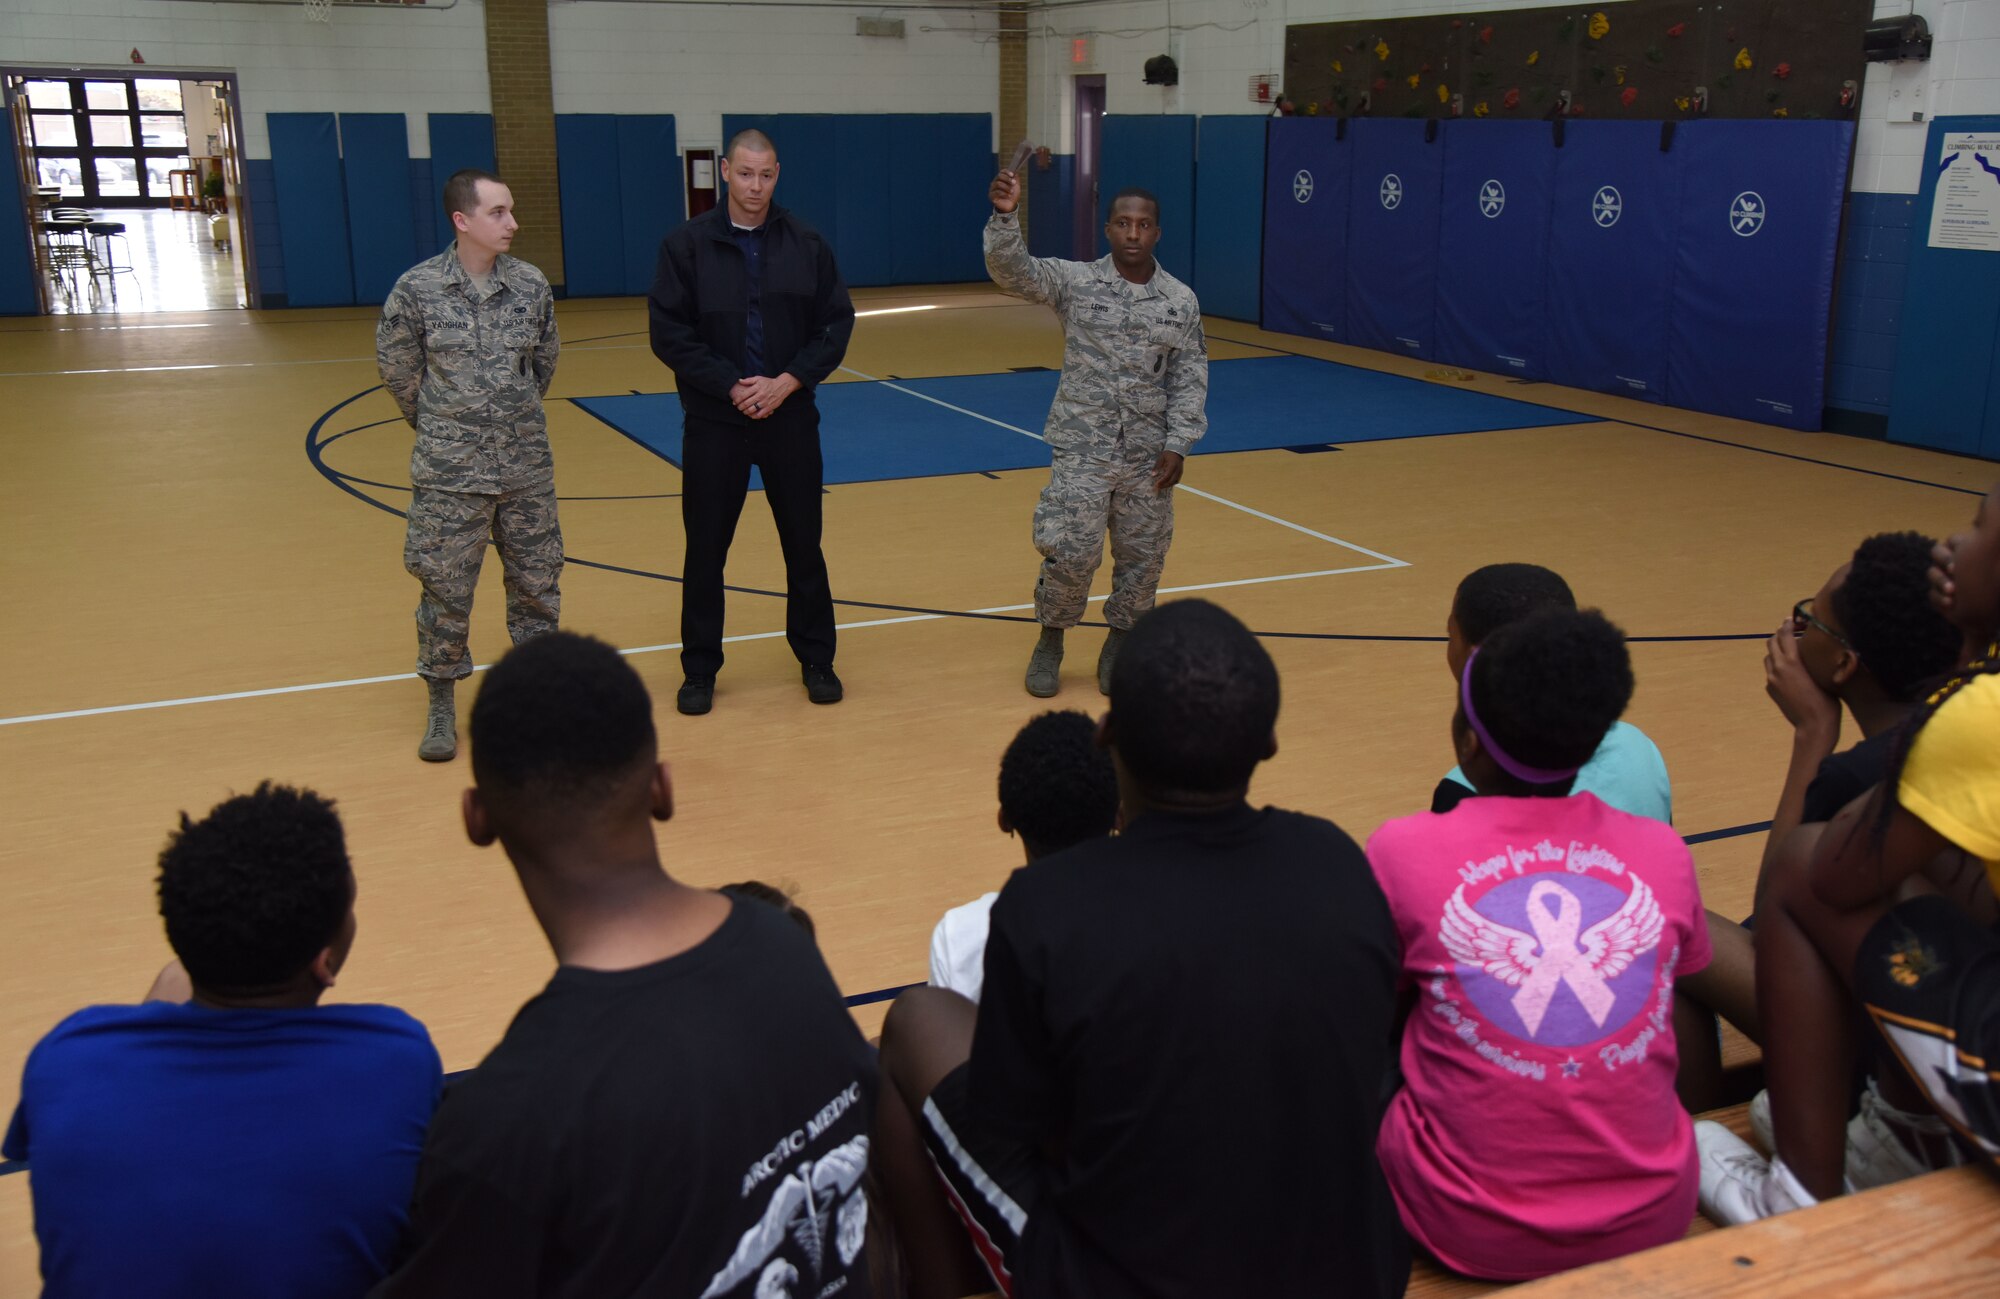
<point>699,62</point>
<point>421,60</point>
<point>1220,44</point>
<point>694,61</point>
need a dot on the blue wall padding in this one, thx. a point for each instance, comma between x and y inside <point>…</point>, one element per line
<point>1052,207</point>
<point>1229,215</point>
<point>1155,153</point>
<point>312,210</point>
<point>1393,236</point>
<point>587,177</point>
<point>458,141</point>
<point>1305,228</point>
<point>423,198</point>
<point>652,194</point>
<point>1612,227</point>
<point>1493,243</point>
<point>267,247</point>
<point>1868,301</point>
<point>375,163</point>
<point>849,176</point>
<point>1945,365</point>
<point>1753,267</point>
<point>17,251</point>
<point>867,250</point>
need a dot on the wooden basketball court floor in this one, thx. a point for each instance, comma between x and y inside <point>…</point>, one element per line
<point>191,607</point>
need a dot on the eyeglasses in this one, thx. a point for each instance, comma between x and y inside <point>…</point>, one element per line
<point>1802,618</point>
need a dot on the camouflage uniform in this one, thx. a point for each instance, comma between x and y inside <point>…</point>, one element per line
<point>1134,384</point>
<point>468,367</point>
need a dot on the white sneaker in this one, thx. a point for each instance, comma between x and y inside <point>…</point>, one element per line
<point>1876,1155</point>
<point>1738,1185</point>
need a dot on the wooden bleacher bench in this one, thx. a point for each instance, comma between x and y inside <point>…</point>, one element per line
<point>1935,1236</point>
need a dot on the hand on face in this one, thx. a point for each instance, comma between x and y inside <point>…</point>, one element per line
<point>1792,688</point>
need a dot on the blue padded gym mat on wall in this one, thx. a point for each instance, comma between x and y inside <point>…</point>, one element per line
<point>1942,395</point>
<point>593,222</point>
<point>1155,153</point>
<point>17,251</point>
<point>458,141</point>
<point>312,209</point>
<point>1612,226</point>
<point>1393,235</point>
<point>1753,267</point>
<point>1306,168</point>
<point>1229,215</point>
<point>1493,242</point>
<point>381,224</point>
<point>651,197</point>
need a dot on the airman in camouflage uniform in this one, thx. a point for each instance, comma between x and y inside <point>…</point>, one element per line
<point>1131,404</point>
<point>467,357</point>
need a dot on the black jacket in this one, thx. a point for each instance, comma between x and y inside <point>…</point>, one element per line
<point>699,306</point>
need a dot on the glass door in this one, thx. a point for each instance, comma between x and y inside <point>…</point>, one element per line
<point>108,143</point>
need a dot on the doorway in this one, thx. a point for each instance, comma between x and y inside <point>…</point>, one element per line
<point>133,184</point>
<point>1089,100</point>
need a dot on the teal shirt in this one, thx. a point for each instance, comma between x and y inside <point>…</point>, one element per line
<point>1627,772</point>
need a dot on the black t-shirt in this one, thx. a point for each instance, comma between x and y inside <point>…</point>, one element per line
<point>695,1127</point>
<point>1194,1018</point>
<point>1846,776</point>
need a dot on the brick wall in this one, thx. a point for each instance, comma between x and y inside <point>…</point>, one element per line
<point>524,126</point>
<point>1013,116</point>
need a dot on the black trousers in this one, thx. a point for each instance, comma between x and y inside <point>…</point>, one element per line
<point>716,459</point>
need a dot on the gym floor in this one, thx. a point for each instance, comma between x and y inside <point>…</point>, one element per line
<point>202,554</point>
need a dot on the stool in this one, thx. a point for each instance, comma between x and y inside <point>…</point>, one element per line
<point>101,233</point>
<point>72,263</point>
<point>184,190</point>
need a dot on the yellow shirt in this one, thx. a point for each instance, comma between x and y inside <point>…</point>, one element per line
<point>1952,777</point>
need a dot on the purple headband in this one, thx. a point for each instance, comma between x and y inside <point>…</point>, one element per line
<point>1518,770</point>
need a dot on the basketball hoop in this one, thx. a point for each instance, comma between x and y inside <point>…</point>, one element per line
<point>319,11</point>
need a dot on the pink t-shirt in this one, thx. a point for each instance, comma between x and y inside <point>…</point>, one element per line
<point>1537,1127</point>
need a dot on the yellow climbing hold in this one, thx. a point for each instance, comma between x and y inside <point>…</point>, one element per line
<point>1743,60</point>
<point>1382,51</point>
<point>1534,57</point>
<point>1480,109</point>
<point>1444,93</point>
<point>1599,25</point>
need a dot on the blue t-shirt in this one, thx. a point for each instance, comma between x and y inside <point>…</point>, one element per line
<point>183,1151</point>
<point>1627,772</point>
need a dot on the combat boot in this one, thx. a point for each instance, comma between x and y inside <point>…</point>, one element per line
<point>1107,657</point>
<point>1045,664</point>
<point>440,742</point>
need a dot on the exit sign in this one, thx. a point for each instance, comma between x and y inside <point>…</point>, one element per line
<point>1082,52</point>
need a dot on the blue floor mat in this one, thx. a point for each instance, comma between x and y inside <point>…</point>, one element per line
<point>877,430</point>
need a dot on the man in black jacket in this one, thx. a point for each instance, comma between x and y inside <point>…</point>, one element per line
<point>749,311</point>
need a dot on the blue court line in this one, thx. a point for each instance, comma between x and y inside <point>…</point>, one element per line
<point>889,994</point>
<point>1698,437</point>
<point>315,449</point>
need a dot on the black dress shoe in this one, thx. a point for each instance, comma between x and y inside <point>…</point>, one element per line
<point>696,696</point>
<point>822,687</point>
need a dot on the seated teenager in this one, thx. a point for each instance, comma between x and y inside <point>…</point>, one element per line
<point>1876,910</point>
<point>1869,640</point>
<point>684,1109</point>
<point>234,1137</point>
<point>1626,771</point>
<point>1173,1081</point>
<point>1057,788</point>
<point>1542,931</point>
<point>773,896</point>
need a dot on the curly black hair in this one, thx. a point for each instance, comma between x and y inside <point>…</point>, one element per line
<point>1491,597</point>
<point>1549,686</point>
<point>1884,608</point>
<point>561,717</point>
<point>1194,696</point>
<point>1056,786</point>
<point>771,895</point>
<point>255,890</point>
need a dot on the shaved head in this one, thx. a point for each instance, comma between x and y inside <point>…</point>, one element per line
<point>753,140</point>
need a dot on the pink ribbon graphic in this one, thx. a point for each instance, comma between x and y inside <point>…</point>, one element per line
<point>1561,961</point>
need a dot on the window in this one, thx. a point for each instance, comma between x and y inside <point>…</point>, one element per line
<point>109,143</point>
